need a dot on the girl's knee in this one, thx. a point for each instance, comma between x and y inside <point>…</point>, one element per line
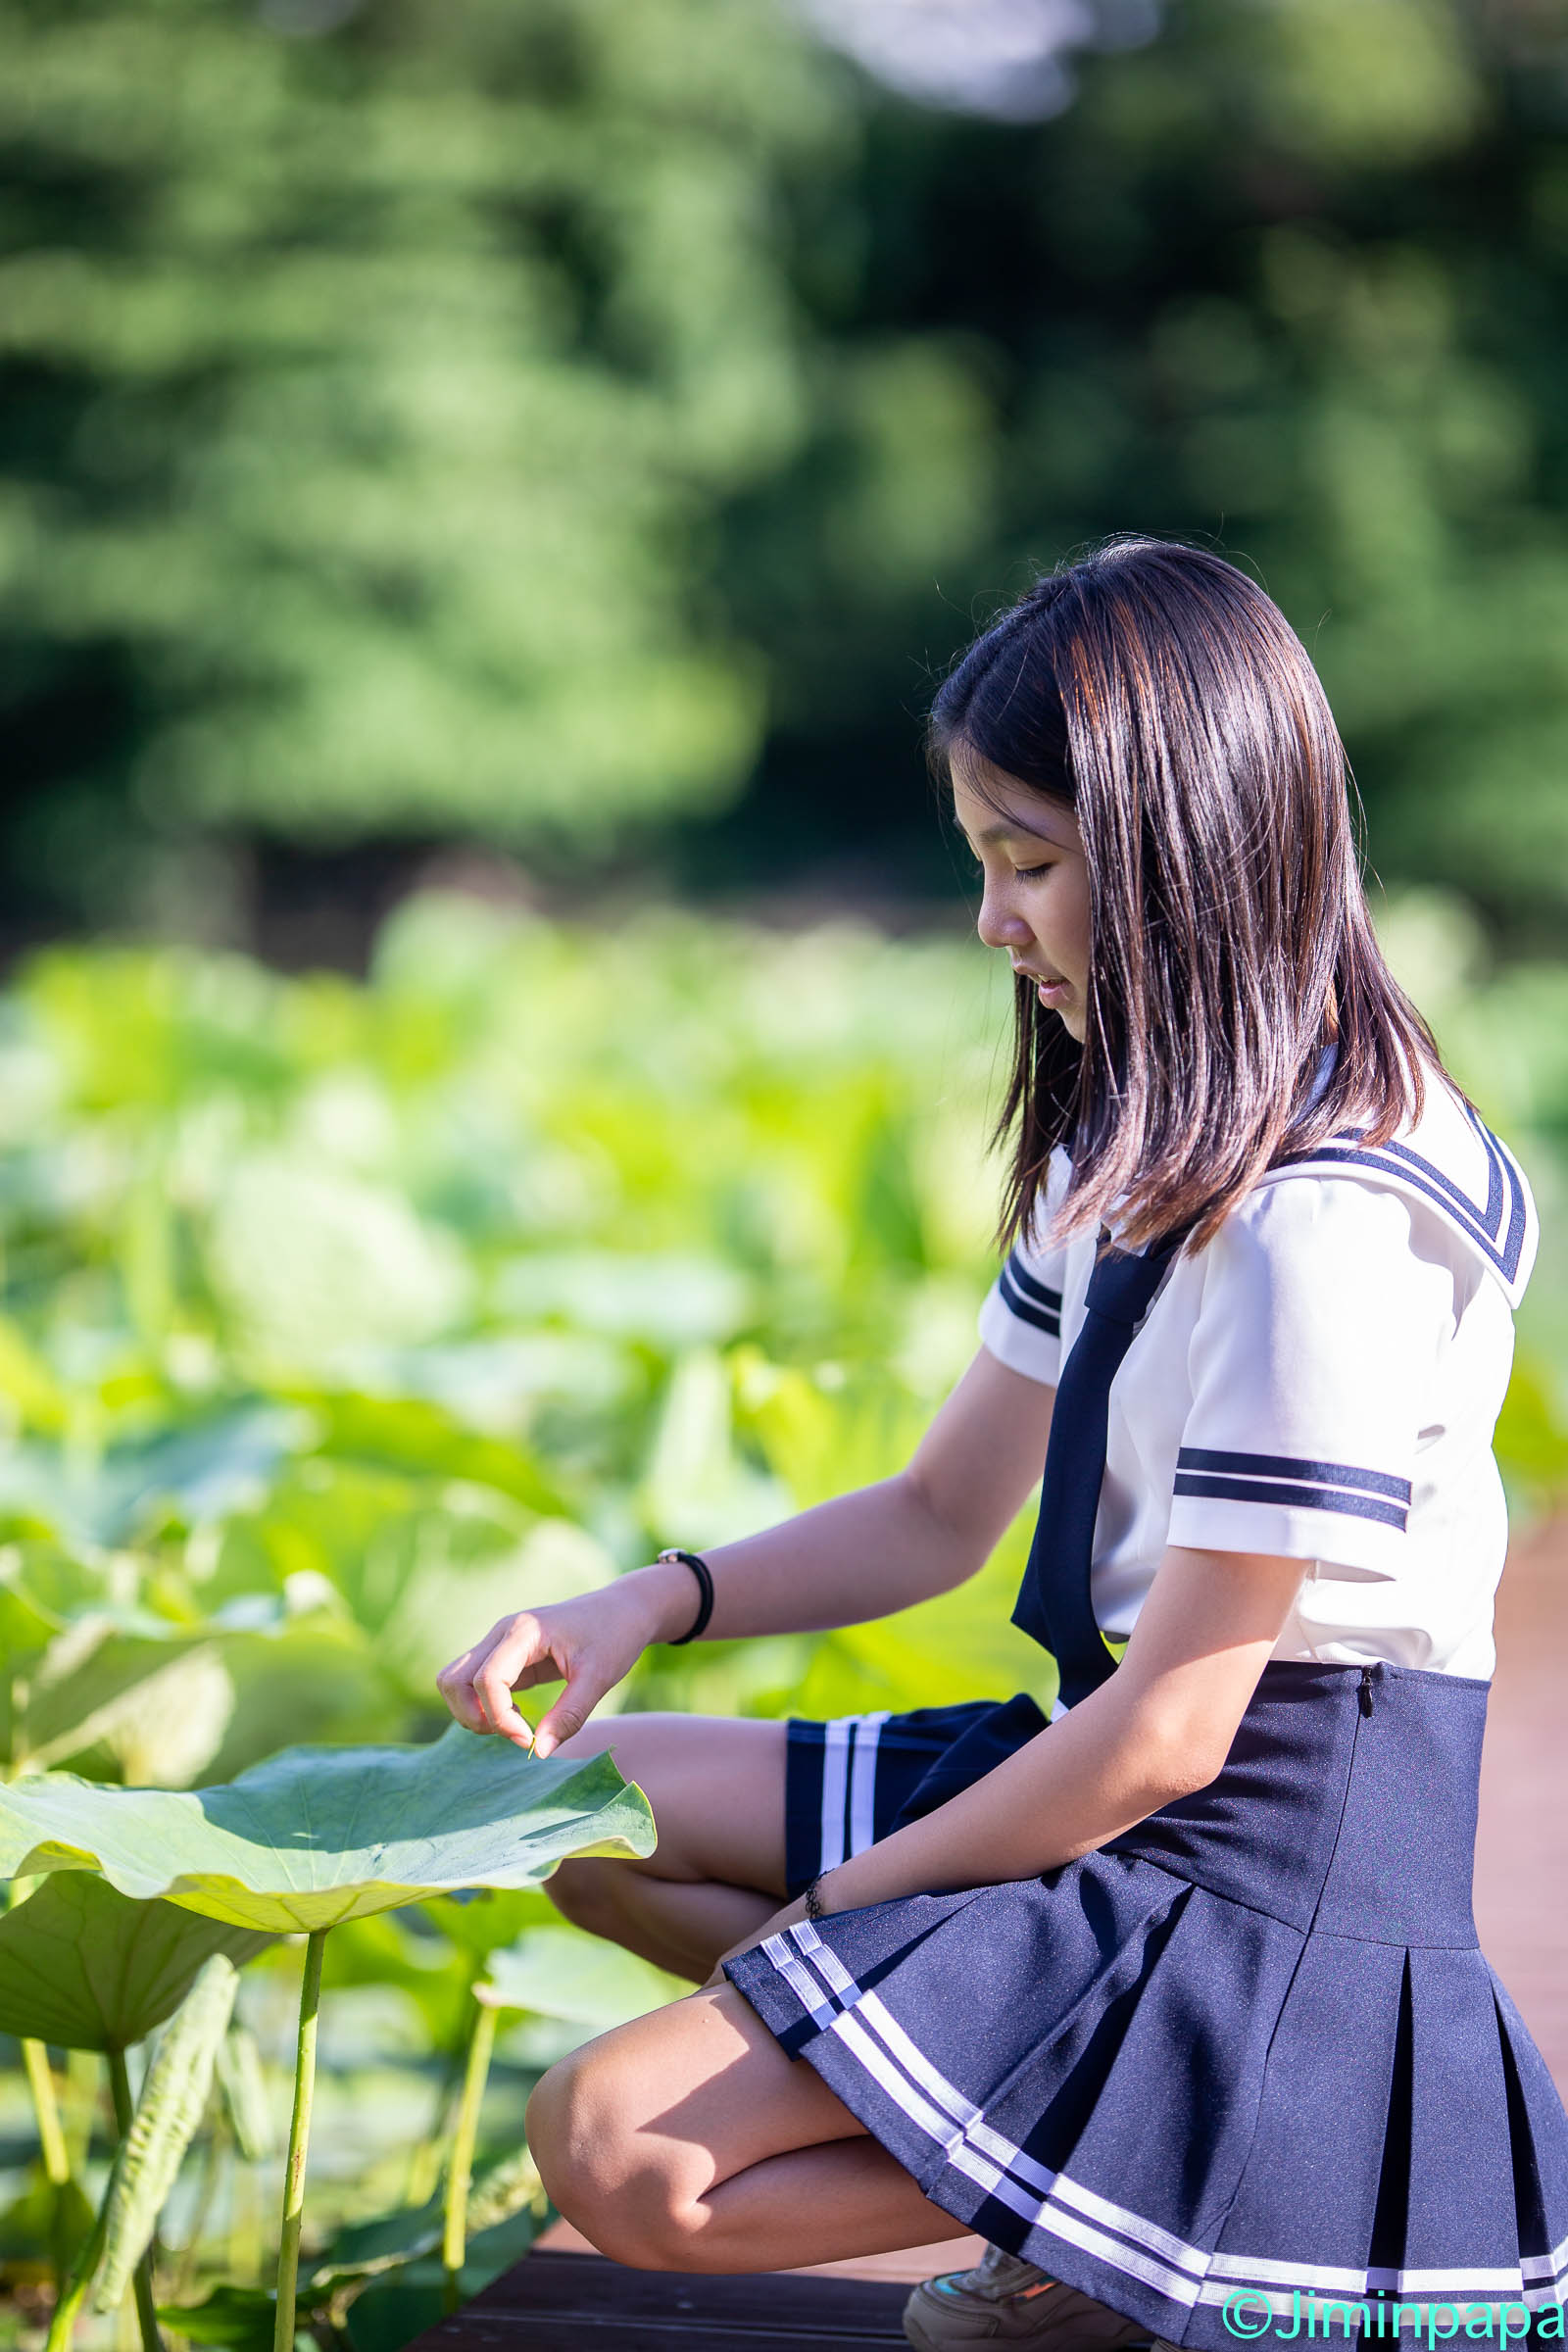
<point>620,2194</point>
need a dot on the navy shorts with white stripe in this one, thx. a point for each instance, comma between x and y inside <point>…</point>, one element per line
<point>850,1781</point>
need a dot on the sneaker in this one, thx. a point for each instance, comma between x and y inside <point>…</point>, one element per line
<point>1005,2300</point>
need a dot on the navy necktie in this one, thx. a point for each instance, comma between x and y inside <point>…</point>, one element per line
<point>1053,1602</point>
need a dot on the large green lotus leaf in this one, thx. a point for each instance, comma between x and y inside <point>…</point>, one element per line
<point>481,1921</point>
<point>320,1834</point>
<point>364,2249</point>
<point>316,1678</point>
<point>560,1972</point>
<point>202,1471</point>
<point>42,2230</point>
<point>88,1969</point>
<point>415,1437</point>
<point>86,1681</point>
<point>425,1969</point>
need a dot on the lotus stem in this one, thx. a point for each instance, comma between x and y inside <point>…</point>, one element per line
<point>460,2165</point>
<point>69,2302</point>
<point>142,2276</point>
<point>56,2153</point>
<point>299,2133</point>
<point>46,2107</point>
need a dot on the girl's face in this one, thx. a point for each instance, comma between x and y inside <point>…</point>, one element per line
<point>1036,901</point>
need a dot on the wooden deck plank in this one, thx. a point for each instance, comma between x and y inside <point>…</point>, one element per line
<point>557,2302</point>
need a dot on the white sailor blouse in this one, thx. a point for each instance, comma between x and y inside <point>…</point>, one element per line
<point>1320,1382</point>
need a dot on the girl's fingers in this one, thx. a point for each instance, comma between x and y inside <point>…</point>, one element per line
<point>456,1688</point>
<point>569,1713</point>
<point>456,1681</point>
<point>478,1685</point>
<point>465,1707</point>
<point>464,1666</point>
<point>518,1649</point>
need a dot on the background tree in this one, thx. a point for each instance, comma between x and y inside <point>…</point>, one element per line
<point>372,381</point>
<point>564,422</point>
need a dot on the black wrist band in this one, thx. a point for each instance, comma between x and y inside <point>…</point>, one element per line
<point>705,1607</point>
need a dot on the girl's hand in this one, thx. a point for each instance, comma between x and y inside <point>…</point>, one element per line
<point>590,1643</point>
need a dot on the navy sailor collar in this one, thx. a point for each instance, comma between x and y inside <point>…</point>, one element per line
<point>1451,1161</point>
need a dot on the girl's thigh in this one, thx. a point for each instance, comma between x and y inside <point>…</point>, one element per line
<point>716,1787</point>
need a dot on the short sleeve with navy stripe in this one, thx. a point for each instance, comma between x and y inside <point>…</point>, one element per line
<point>1324,1310</point>
<point>1020,1320</point>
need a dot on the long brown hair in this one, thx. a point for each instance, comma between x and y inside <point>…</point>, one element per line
<point>1156,691</point>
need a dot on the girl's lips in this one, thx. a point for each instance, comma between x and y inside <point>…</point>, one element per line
<point>1050,992</point>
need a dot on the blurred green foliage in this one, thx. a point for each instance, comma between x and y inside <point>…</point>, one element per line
<point>335,1317</point>
<point>535,419</point>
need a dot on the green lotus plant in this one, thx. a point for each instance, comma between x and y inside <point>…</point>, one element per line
<point>87,1968</point>
<point>318,1835</point>
<point>155,2138</point>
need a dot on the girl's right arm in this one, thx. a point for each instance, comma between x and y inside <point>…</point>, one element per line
<point>863,1555</point>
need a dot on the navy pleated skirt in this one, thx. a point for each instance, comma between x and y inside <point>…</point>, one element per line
<point>1247,2051</point>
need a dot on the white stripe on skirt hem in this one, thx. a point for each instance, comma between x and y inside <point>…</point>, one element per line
<point>1184,2275</point>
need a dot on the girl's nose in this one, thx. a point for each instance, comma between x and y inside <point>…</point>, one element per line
<point>1000,926</point>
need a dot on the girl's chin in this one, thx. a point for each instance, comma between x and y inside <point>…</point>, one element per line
<point>1062,1000</point>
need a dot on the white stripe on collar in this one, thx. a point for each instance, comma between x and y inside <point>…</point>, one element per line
<point>1451,1160</point>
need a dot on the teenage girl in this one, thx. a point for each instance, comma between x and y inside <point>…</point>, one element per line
<point>1171,1992</point>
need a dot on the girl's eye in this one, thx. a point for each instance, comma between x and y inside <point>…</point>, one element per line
<point>1020,873</point>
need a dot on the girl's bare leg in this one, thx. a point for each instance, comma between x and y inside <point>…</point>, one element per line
<point>716,1787</point>
<point>687,2140</point>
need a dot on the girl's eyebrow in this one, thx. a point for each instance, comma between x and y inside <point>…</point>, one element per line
<point>1013,831</point>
